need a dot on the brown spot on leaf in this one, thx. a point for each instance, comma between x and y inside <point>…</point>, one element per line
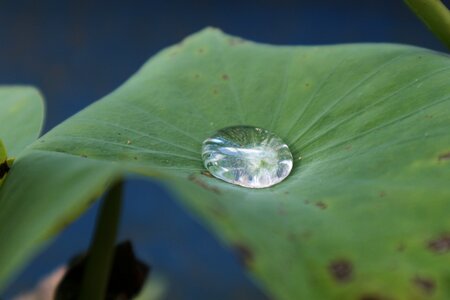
<point>207,174</point>
<point>4,168</point>
<point>281,210</point>
<point>372,297</point>
<point>306,234</point>
<point>341,270</point>
<point>84,155</point>
<point>401,247</point>
<point>382,194</point>
<point>197,76</point>
<point>292,237</point>
<point>429,116</point>
<point>244,254</point>
<point>203,184</point>
<point>200,50</point>
<point>441,244</point>
<point>425,284</point>
<point>215,92</point>
<point>445,156</point>
<point>135,158</point>
<point>348,147</point>
<point>225,77</point>
<point>321,205</point>
<point>218,211</point>
<point>369,297</point>
<point>307,84</point>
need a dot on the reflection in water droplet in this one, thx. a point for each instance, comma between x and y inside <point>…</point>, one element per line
<point>247,156</point>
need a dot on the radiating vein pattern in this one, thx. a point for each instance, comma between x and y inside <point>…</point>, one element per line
<point>367,130</point>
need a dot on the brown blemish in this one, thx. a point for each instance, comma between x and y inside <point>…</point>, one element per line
<point>225,77</point>
<point>425,284</point>
<point>321,205</point>
<point>215,92</point>
<point>173,54</point>
<point>440,245</point>
<point>307,84</point>
<point>202,184</point>
<point>244,254</point>
<point>197,76</point>
<point>207,174</point>
<point>429,116</point>
<point>348,147</point>
<point>382,194</point>
<point>135,158</point>
<point>4,168</point>
<point>341,270</point>
<point>292,237</point>
<point>218,212</point>
<point>372,297</point>
<point>200,50</point>
<point>401,247</point>
<point>445,156</point>
<point>84,155</point>
<point>281,210</point>
<point>306,234</point>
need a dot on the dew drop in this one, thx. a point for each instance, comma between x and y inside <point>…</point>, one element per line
<point>248,156</point>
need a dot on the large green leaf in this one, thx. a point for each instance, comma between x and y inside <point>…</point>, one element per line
<point>364,213</point>
<point>21,117</point>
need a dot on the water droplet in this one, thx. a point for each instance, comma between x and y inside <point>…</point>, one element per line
<point>247,156</point>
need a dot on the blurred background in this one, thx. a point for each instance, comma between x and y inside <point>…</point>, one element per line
<point>78,51</point>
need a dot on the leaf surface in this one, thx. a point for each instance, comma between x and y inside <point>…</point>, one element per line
<point>21,117</point>
<point>364,213</point>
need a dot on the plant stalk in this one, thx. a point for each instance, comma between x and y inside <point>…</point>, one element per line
<point>435,15</point>
<point>101,252</point>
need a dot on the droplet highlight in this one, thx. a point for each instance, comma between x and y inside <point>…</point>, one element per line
<point>248,156</point>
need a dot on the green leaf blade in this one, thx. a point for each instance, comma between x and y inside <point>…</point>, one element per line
<point>363,212</point>
<point>21,117</point>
